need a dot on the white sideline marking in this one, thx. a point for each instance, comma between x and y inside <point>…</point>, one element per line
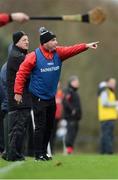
<point>10,167</point>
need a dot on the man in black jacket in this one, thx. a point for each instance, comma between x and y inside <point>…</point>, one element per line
<point>72,112</point>
<point>4,108</point>
<point>19,114</point>
<point>1,118</point>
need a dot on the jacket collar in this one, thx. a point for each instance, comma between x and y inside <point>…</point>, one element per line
<point>48,55</point>
<point>20,49</point>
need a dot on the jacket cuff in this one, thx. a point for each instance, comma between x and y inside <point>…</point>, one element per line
<point>10,18</point>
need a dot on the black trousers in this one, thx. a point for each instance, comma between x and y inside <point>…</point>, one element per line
<point>72,130</point>
<point>107,136</point>
<point>2,116</point>
<point>6,121</point>
<point>53,136</point>
<point>18,123</point>
<point>29,139</point>
<point>44,116</point>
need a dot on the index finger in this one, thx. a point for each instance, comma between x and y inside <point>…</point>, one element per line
<point>97,42</point>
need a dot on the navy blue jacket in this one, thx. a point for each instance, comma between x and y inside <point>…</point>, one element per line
<point>3,84</point>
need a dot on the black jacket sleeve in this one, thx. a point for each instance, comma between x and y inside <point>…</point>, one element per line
<point>72,105</point>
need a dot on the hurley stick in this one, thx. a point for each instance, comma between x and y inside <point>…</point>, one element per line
<point>95,16</point>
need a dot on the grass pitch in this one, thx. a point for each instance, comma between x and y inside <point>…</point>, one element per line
<point>81,166</point>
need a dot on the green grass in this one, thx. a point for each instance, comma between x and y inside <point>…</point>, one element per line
<point>63,167</point>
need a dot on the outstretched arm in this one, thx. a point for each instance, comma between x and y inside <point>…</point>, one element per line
<point>18,17</point>
<point>69,51</point>
<point>4,19</point>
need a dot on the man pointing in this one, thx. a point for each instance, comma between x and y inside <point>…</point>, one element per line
<point>44,65</point>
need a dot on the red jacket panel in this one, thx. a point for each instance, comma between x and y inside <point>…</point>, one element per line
<point>59,106</point>
<point>4,19</point>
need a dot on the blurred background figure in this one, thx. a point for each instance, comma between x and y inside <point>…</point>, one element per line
<point>4,108</point>
<point>58,114</point>
<point>61,133</point>
<point>107,114</point>
<point>4,104</point>
<point>1,118</point>
<point>102,86</point>
<point>72,112</point>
